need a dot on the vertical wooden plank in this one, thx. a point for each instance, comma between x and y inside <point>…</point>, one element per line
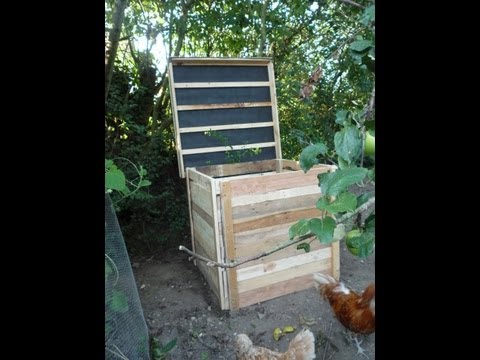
<point>173,100</point>
<point>336,260</point>
<point>189,194</point>
<point>224,276</point>
<point>226,194</point>
<point>279,165</point>
<point>218,245</point>
<point>273,99</point>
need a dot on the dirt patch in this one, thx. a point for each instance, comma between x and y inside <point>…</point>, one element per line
<point>178,303</point>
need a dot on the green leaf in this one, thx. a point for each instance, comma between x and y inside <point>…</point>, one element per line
<point>304,246</point>
<point>298,229</point>
<point>115,179</point>
<point>356,57</point>
<point>370,223</point>
<point>346,201</point>
<point>363,245</point>
<point>361,45</point>
<point>371,174</point>
<point>342,164</point>
<point>308,157</point>
<point>119,302</point>
<point>348,143</point>
<point>108,164</point>
<point>341,117</point>
<point>371,53</point>
<point>362,199</point>
<point>145,182</point>
<point>368,15</point>
<point>169,346</point>
<point>336,182</point>
<point>323,229</point>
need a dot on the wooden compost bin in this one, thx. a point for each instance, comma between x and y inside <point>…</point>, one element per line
<point>243,197</point>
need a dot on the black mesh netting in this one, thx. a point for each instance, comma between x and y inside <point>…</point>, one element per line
<point>126,333</point>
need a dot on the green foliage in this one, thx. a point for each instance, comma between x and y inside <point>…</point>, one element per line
<point>348,143</point>
<point>351,123</point>
<point>308,157</point>
<point>115,179</point>
<point>300,228</point>
<point>159,352</point>
<point>336,182</point>
<point>119,302</point>
<point>363,198</point>
<point>304,246</point>
<point>323,229</point>
<point>362,245</point>
<point>346,201</point>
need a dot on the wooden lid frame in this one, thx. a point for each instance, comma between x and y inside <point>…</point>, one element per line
<point>224,110</point>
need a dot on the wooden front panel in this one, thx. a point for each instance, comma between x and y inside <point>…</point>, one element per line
<point>262,210</point>
<point>204,227</point>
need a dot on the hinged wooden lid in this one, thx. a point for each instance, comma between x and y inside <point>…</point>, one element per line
<point>224,110</point>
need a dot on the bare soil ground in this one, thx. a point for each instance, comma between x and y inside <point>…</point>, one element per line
<point>178,303</point>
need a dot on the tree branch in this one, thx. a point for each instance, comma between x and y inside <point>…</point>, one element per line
<point>263,36</point>
<point>114,38</point>
<point>235,263</point>
<point>350,2</point>
<point>360,209</point>
<point>368,113</point>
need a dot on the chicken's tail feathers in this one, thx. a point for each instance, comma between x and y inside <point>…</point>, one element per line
<point>303,345</point>
<point>323,279</point>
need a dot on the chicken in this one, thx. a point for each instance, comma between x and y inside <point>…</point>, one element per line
<point>302,347</point>
<point>355,311</point>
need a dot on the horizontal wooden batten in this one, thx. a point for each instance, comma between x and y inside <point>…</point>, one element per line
<point>225,127</point>
<point>227,148</point>
<point>275,195</point>
<point>238,168</point>
<point>272,267</point>
<point>204,234</point>
<point>272,219</point>
<point>200,61</point>
<point>223,106</point>
<point>266,183</point>
<point>221,84</point>
<point>199,177</point>
<point>202,213</point>
<point>282,275</point>
<point>288,252</point>
<point>278,289</point>
<point>257,241</point>
<point>201,198</point>
<point>249,211</point>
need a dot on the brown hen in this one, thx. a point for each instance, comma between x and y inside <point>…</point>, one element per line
<point>355,311</point>
<point>302,347</point>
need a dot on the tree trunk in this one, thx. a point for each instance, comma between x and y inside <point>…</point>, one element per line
<point>263,29</point>
<point>182,30</point>
<point>114,39</point>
